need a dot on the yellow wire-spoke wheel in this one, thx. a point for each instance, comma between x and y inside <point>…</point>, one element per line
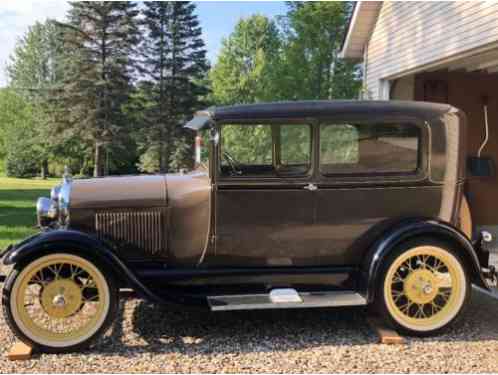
<point>425,288</point>
<point>60,300</point>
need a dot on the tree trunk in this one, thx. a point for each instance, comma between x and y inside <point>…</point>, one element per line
<point>105,152</point>
<point>44,169</point>
<point>98,169</point>
<point>162,160</point>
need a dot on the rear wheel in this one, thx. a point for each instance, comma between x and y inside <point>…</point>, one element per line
<point>59,302</point>
<point>424,288</point>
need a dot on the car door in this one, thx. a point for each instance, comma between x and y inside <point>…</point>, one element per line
<point>370,173</point>
<point>264,198</point>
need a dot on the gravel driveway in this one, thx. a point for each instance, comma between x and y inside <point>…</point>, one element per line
<point>148,338</point>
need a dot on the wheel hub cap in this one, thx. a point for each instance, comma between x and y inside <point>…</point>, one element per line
<point>59,301</point>
<point>421,286</point>
<point>61,298</point>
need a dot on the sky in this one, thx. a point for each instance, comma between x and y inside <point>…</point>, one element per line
<point>218,19</point>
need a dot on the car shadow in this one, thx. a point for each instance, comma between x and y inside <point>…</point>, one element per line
<point>478,322</point>
<point>146,327</point>
<point>162,329</point>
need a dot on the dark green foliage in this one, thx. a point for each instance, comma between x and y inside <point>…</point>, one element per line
<point>35,71</point>
<point>19,144</point>
<point>247,64</point>
<point>22,162</point>
<point>311,67</point>
<point>101,39</point>
<point>175,62</point>
<point>260,62</point>
<point>109,90</point>
<point>36,64</point>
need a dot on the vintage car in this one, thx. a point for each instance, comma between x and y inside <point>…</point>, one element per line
<point>300,204</point>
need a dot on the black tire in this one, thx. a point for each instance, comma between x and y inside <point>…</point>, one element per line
<point>43,347</point>
<point>381,303</point>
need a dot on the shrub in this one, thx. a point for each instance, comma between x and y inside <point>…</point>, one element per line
<point>149,161</point>
<point>21,163</point>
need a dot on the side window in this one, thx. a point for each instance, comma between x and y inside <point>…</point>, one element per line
<point>266,150</point>
<point>339,144</point>
<point>246,144</point>
<point>295,149</point>
<point>378,148</point>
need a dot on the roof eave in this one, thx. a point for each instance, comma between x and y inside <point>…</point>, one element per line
<point>359,29</point>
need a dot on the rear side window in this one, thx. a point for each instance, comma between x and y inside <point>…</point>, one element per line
<point>378,148</point>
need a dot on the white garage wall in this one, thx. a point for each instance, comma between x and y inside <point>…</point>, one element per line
<point>410,35</point>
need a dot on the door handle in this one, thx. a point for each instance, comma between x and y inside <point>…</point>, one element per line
<point>311,187</point>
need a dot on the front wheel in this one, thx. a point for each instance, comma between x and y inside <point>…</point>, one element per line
<point>59,302</point>
<point>424,288</point>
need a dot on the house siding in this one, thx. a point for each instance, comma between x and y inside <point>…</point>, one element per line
<point>410,35</point>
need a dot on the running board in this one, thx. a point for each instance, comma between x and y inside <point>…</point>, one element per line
<point>285,299</point>
<point>492,292</point>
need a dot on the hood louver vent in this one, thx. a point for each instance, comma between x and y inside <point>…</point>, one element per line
<point>143,230</point>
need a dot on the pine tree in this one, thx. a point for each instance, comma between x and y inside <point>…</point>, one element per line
<point>101,39</point>
<point>174,58</point>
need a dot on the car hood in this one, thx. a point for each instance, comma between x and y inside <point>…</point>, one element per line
<point>119,192</point>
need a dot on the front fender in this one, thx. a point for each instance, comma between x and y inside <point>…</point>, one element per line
<point>64,239</point>
<point>418,228</point>
<point>53,240</point>
<point>81,242</point>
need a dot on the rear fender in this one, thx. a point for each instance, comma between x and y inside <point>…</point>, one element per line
<point>409,229</point>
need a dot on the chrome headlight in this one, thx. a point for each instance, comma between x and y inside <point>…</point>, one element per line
<point>46,211</point>
<point>54,193</point>
<point>64,198</point>
<point>56,208</point>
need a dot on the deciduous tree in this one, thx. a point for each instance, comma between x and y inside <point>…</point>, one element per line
<point>35,72</point>
<point>18,141</point>
<point>311,67</point>
<point>246,65</point>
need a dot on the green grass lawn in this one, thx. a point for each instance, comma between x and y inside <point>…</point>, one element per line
<point>17,207</point>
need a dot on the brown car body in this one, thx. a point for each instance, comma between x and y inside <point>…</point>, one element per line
<point>324,204</point>
<point>244,233</point>
<point>202,232</point>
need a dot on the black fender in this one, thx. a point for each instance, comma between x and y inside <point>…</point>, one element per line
<point>64,239</point>
<point>408,229</point>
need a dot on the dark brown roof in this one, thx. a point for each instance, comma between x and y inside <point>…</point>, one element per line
<point>316,108</point>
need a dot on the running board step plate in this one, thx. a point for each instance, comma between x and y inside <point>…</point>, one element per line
<point>285,299</point>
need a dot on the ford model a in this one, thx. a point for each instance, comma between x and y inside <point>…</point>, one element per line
<point>301,204</point>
